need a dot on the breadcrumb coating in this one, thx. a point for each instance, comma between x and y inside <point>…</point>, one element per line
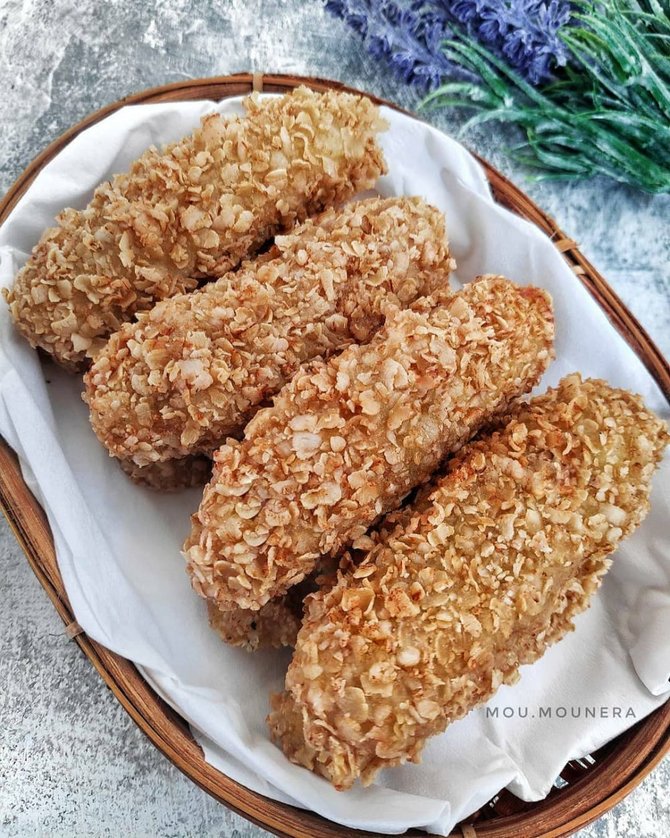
<point>347,439</point>
<point>172,475</point>
<point>194,209</point>
<point>194,369</point>
<point>490,568</point>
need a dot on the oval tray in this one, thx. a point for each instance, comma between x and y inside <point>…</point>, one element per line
<point>590,787</point>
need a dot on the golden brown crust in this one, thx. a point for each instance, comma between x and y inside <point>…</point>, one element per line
<point>347,439</point>
<point>196,367</point>
<point>485,571</point>
<point>194,209</point>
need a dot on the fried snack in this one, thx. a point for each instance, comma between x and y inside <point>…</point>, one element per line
<point>275,625</point>
<point>347,439</point>
<point>490,568</point>
<point>194,209</point>
<point>170,476</point>
<point>196,367</point>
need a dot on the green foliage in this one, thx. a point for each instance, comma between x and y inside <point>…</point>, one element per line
<point>607,114</point>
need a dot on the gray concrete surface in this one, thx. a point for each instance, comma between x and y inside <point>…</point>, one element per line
<point>71,762</point>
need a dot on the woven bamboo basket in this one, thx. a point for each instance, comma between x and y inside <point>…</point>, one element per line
<point>586,789</point>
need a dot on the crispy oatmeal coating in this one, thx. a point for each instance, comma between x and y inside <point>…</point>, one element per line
<point>194,369</point>
<point>495,560</point>
<point>347,439</point>
<point>194,209</point>
<point>171,475</point>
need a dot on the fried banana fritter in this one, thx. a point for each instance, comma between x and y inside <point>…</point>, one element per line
<point>194,209</point>
<point>490,568</point>
<point>277,623</point>
<point>172,475</point>
<point>347,439</point>
<point>194,369</point>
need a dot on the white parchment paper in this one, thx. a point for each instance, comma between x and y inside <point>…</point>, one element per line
<point>118,544</point>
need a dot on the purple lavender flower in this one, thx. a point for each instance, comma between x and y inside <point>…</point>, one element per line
<point>523,32</point>
<point>409,34</point>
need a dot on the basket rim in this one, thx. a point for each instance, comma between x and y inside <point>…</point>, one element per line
<point>640,748</point>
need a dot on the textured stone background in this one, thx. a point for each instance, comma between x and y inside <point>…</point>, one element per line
<point>71,762</point>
